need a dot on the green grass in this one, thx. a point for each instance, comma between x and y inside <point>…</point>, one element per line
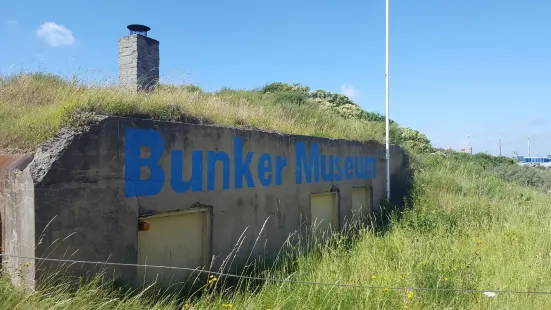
<point>473,224</point>
<point>34,107</point>
<point>523,175</point>
<point>468,230</point>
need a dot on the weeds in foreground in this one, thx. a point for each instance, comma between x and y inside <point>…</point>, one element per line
<point>467,230</point>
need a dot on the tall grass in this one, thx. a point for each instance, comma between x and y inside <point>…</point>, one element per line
<point>468,229</point>
<point>34,107</point>
<point>537,177</point>
<point>476,222</point>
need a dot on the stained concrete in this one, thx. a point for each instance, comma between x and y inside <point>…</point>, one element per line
<point>71,197</point>
<point>17,219</point>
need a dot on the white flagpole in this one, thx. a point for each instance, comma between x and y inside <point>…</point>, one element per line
<point>387,117</point>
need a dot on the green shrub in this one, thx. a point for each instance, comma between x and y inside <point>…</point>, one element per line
<point>335,99</point>
<point>289,97</point>
<point>485,160</point>
<point>277,87</point>
<point>524,175</point>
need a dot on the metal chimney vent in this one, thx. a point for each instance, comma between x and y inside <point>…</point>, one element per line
<point>138,29</point>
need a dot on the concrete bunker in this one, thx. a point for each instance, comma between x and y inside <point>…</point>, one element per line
<point>145,192</point>
<point>95,195</point>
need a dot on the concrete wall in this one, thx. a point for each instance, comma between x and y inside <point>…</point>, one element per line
<point>91,188</point>
<point>138,58</point>
<point>17,219</point>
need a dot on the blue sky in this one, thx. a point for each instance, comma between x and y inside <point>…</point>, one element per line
<point>457,67</point>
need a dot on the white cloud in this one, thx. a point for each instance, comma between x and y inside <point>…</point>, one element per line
<point>350,91</point>
<point>11,22</point>
<point>55,35</point>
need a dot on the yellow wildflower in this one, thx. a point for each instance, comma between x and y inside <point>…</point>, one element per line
<point>373,277</point>
<point>409,294</point>
<point>212,279</point>
<point>227,305</point>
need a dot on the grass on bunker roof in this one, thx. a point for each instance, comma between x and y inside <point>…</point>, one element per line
<point>35,106</point>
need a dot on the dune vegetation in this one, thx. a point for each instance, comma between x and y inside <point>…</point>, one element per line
<point>476,223</point>
<point>34,107</point>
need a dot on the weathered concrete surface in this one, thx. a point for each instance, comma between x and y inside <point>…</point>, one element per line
<point>82,209</point>
<point>17,218</point>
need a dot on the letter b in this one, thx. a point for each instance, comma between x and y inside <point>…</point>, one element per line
<point>133,184</point>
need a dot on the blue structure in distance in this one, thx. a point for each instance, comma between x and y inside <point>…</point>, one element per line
<point>529,160</point>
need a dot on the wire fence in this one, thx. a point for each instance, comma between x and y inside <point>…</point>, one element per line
<point>83,173</point>
<point>265,279</point>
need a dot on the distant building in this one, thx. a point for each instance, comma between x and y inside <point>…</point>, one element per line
<point>521,160</point>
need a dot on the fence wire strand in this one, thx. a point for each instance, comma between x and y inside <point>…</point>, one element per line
<point>338,285</point>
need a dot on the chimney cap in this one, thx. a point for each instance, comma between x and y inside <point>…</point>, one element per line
<point>138,29</point>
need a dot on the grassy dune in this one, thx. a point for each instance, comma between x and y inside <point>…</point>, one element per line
<point>33,107</point>
<point>472,226</point>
